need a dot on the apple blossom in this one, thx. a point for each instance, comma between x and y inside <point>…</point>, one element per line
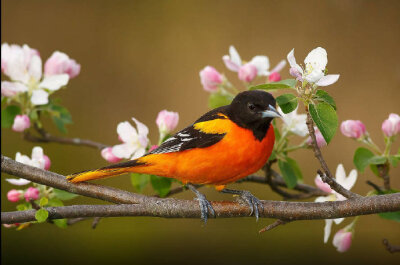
<point>47,162</point>
<point>21,123</point>
<point>318,136</point>
<point>108,155</point>
<point>353,129</point>
<point>31,194</point>
<point>60,63</point>
<point>347,183</point>
<point>210,78</point>
<point>295,123</point>
<point>134,141</point>
<point>234,63</point>
<point>274,77</point>
<point>14,195</point>
<point>167,121</point>
<point>315,66</point>
<point>23,65</point>
<point>247,72</point>
<point>342,240</point>
<point>391,126</point>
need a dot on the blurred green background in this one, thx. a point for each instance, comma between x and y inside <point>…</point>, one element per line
<point>139,57</point>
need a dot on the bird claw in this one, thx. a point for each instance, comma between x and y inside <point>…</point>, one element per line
<point>254,203</point>
<point>205,207</point>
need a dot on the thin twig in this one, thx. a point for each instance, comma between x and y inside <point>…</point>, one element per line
<point>95,222</point>
<point>273,225</point>
<point>376,187</point>
<point>389,247</point>
<point>73,221</point>
<point>383,171</point>
<point>173,208</point>
<point>327,177</point>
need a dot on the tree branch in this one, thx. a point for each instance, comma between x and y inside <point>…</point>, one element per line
<point>389,247</point>
<point>172,208</point>
<point>327,177</point>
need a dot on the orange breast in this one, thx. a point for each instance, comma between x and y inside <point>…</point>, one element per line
<point>237,155</point>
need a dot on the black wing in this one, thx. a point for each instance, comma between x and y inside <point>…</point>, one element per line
<point>189,137</point>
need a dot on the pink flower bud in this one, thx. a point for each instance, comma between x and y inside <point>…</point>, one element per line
<point>353,129</point>
<point>14,195</point>
<point>108,155</point>
<point>60,63</point>
<point>274,77</point>
<point>295,73</point>
<point>31,193</point>
<point>391,126</point>
<point>322,185</point>
<point>21,123</point>
<point>210,79</point>
<point>318,136</point>
<point>247,72</point>
<point>167,121</point>
<point>153,147</point>
<point>342,240</point>
<point>47,162</point>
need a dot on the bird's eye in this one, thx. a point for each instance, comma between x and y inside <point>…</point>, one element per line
<point>251,106</point>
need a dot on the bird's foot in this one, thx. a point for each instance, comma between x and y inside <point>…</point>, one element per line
<point>205,206</point>
<point>254,203</point>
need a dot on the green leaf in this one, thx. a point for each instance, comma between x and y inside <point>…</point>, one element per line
<point>43,201</point>
<point>323,96</point>
<point>283,84</point>
<point>361,158</point>
<point>60,116</point>
<point>41,215</point>
<point>394,160</point>
<point>374,170</point>
<point>287,102</point>
<point>55,202</point>
<point>59,124</point>
<point>218,100</point>
<point>394,216</point>
<point>139,181</point>
<point>325,118</point>
<point>288,174</point>
<point>64,195</point>
<point>62,223</point>
<point>8,115</point>
<point>161,185</point>
<point>377,160</point>
<point>295,166</point>
<point>23,206</point>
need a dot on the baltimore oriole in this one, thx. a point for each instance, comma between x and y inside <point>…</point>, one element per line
<point>224,145</point>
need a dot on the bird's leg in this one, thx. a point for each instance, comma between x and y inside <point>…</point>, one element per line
<point>205,205</point>
<point>254,203</point>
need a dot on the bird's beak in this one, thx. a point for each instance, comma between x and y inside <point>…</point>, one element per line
<point>271,112</point>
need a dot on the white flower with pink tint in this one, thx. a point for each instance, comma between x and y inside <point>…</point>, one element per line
<point>23,66</point>
<point>234,63</point>
<point>342,240</point>
<point>60,63</point>
<point>31,194</point>
<point>391,126</point>
<point>108,155</point>
<point>247,72</point>
<point>167,121</point>
<point>134,141</point>
<point>318,136</point>
<point>353,129</point>
<point>21,123</point>
<point>210,78</point>
<point>315,66</point>
<point>347,182</point>
<point>39,160</point>
<point>295,123</point>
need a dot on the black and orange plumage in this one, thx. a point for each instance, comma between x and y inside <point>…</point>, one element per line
<point>224,145</point>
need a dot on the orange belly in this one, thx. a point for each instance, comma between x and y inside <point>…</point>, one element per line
<point>236,156</point>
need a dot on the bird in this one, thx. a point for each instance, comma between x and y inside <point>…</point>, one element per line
<point>224,145</point>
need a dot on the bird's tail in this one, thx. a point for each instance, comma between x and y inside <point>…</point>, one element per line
<point>105,172</point>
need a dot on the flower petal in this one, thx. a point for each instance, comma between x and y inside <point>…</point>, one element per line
<point>18,182</point>
<point>322,199</point>
<point>292,61</point>
<point>261,62</point>
<point>340,174</point>
<point>279,66</point>
<point>39,97</point>
<point>54,82</point>
<point>138,153</point>
<point>126,132</point>
<point>123,150</point>
<point>327,80</point>
<point>230,64</point>
<point>350,180</point>
<point>327,229</point>
<point>10,89</point>
<point>234,56</point>
<point>338,220</point>
<point>318,58</point>
<point>142,129</point>
<point>35,68</point>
